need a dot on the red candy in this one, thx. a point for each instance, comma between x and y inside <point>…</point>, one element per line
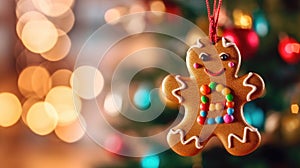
<point>230,104</point>
<point>204,107</point>
<point>201,120</point>
<point>205,89</point>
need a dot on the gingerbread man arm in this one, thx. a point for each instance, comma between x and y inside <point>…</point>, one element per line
<point>171,87</point>
<point>255,83</point>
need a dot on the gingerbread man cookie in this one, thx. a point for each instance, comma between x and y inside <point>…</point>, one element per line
<point>213,98</point>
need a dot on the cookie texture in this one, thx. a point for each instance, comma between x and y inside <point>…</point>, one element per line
<point>213,97</point>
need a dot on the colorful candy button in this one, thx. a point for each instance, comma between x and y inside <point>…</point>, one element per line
<point>219,87</point>
<point>212,85</point>
<point>219,106</point>
<point>226,91</point>
<point>230,111</point>
<point>205,90</point>
<point>204,107</point>
<point>203,113</point>
<point>204,99</point>
<point>228,118</point>
<point>219,119</point>
<point>229,97</point>
<point>201,120</point>
<point>210,121</point>
<point>230,104</point>
<point>212,107</point>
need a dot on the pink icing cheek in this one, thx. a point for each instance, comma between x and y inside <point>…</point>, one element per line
<point>231,64</point>
<point>197,66</point>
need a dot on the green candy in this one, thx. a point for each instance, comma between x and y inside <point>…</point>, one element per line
<point>212,85</point>
<point>229,97</point>
<point>204,99</point>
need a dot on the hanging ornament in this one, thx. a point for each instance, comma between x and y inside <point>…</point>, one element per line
<point>289,50</point>
<point>246,40</point>
<point>213,96</point>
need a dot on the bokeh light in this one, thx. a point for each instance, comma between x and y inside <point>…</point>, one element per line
<point>87,82</point>
<point>295,108</point>
<point>24,6</point>
<point>261,25</point>
<point>142,98</point>
<point>53,8</point>
<point>26,106</point>
<point>242,20</point>
<point>26,59</point>
<point>150,161</point>
<point>10,109</point>
<point>39,35</point>
<point>136,8</point>
<point>254,115</point>
<point>26,17</point>
<point>66,104</point>
<point>64,22</point>
<point>112,104</point>
<point>42,118</point>
<point>72,132</point>
<point>60,49</point>
<point>34,81</point>
<point>157,6</point>
<point>61,77</point>
<point>112,15</point>
<point>113,143</point>
<point>272,122</point>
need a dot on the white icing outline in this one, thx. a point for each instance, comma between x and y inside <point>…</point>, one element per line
<point>254,88</point>
<point>182,86</point>
<point>198,44</point>
<point>228,43</point>
<point>196,138</point>
<point>244,139</point>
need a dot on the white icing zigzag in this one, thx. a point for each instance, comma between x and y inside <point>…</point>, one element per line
<point>197,45</point>
<point>249,85</point>
<point>182,86</point>
<point>184,142</point>
<point>242,140</point>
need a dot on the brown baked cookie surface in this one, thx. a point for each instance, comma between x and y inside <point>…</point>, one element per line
<point>213,97</point>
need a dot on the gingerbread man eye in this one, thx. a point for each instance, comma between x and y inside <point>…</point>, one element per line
<point>224,56</point>
<point>204,56</point>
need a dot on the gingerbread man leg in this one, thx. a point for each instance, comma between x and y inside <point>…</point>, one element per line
<point>241,141</point>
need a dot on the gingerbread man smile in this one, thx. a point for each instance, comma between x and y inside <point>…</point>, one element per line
<point>213,99</point>
<point>210,73</point>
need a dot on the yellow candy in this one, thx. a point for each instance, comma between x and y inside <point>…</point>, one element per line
<point>212,107</point>
<point>219,88</point>
<point>219,106</point>
<point>226,91</point>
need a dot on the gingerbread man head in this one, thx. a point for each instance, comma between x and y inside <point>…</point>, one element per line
<point>213,98</point>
